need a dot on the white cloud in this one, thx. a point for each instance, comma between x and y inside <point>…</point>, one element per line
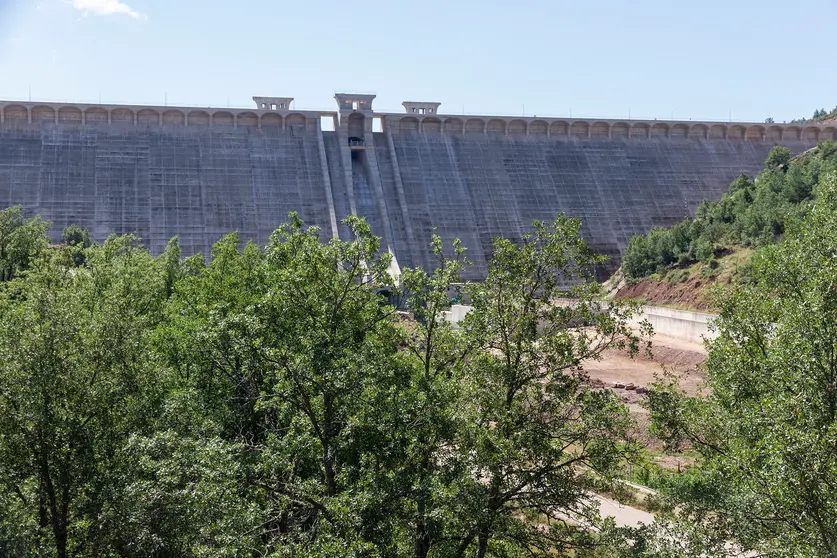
<point>105,7</point>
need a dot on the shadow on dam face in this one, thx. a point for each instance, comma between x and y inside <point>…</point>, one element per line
<point>199,174</point>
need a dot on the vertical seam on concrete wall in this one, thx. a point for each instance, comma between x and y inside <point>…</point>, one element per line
<point>464,185</point>
<point>371,168</point>
<point>402,198</point>
<point>329,190</point>
<point>346,161</point>
<point>204,233</point>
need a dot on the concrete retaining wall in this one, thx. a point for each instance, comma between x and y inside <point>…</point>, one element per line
<point>456,313</point>
<point>680,324</point>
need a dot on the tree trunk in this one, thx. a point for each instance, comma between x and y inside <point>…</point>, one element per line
<point>57,513</point>
<point>328,458</point>
<point>60,529</point>
<point>482,546</point>
<point>43,520</point>
<point>58,520</point>
<point>328,467</point>
<point>422,537</point>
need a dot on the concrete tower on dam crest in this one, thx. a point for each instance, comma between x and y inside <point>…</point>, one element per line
<point>199,173</point>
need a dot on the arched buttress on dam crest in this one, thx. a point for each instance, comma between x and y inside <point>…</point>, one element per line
<point>198,118</point>
<point>223,119</point>
<point>454,126</point>
<point>538,128</point>
<point>70,115</point>
<point>755,133</point>
<point>122,116</point>
<point>517,129</point>
<point>660,130</point>
<point>580,129</point>
<point>640,130</point>
<point>247,120</point>
<point>792,133</point>
<point>619,130</point>
<point>559,129</point>
<point>174,118</point>
<point>272,120</point>
<point>496,127</point>
<point>475,126</point>
<point>16,115</point>
<point>718,131</point>
<point>43,113</point>
<point>96,115</point>
<point>736,132</point>
<point>431,125</point>
<point>699,131</point>
<point>148,117</point>
<point>600,130</point>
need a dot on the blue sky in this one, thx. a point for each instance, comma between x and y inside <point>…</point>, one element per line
<point>663,59</point>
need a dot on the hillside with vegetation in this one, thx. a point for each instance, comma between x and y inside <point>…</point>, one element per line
<point>820,116</point>
<point>678,265</point>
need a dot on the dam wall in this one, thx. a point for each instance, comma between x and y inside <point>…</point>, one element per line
<point>694,327</point>
<point>200,173</point>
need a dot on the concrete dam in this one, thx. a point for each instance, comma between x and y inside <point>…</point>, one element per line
<point>200,173</point>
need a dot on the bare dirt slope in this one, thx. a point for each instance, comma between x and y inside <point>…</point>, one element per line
<point>628,377</point>
<point>684,288</point>
<point>692,294</point>
<point>667,354</point>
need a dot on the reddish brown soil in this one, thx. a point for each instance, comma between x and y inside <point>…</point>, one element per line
<point>669,356</point>
<point>694,293</point>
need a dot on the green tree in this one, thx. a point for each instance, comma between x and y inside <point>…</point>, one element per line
<point>535,434</point>
<point>171,264</point>
<point>74,384</point>
<point>639,260</point>
<point>435,355</point>
<point>183,495</point>
<point>779,157</point>
<point>211,336</point>
<point>289,352</point>
<point>767,430</point>
<point>78,239</point>
<point>74,235</point>
<point>329,339</point>
<point>751,213</point>
<point>21,241</point>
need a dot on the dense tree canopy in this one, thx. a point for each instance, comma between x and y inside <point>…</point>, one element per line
<point>270,402</point>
